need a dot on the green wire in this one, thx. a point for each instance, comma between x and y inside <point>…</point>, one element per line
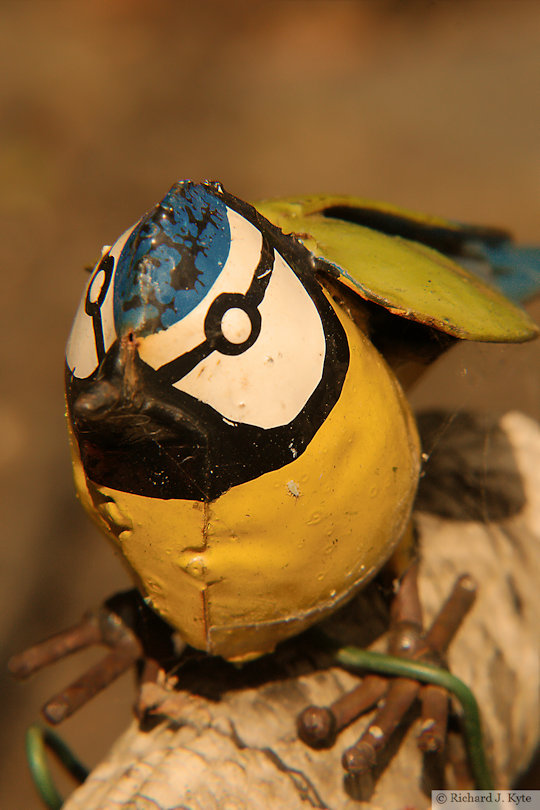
<point>429,673</point>
<point>38,738</point>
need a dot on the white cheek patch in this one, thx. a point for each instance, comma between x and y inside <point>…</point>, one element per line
<point>269,383</point>
<point>236,276</point>
<point>81,351</point>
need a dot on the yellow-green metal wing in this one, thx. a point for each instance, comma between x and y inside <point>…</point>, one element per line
<point>401,261</point>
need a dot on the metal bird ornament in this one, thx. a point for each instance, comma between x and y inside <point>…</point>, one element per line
<point>234,386</point>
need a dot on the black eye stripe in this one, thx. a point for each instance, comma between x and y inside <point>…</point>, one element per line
<point>93,308</point>
<point>105,266</point>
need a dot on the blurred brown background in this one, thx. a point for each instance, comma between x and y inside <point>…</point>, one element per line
<point>104,104</point>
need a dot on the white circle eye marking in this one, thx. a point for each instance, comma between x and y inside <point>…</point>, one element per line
<point>96,286</point>
<point>236,325</point>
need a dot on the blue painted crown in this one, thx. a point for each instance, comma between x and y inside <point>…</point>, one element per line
<point>172,258</point>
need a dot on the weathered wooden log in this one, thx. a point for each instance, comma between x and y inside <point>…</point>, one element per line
<point>226,737</point>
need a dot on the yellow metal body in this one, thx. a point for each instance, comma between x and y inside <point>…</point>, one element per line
<point>272,556</point>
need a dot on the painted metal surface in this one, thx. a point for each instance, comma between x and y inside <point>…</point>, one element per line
<point>271,556</point>
<point>234,431</point>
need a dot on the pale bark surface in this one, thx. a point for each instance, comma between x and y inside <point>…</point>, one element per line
<point>231,744</point>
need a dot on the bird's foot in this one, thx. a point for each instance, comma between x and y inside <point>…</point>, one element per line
<point>319,727</point>
<point>125,625</point>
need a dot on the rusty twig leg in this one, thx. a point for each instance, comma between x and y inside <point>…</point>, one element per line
<point>109,625</point>
<point>94,680</point>
<point>362,756</point>
<point>451,614</point>
<point>318,726</point>
<point>434,718</point>
<point>84,634</point>
<point>435,701</point>
<point>408,642</point>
